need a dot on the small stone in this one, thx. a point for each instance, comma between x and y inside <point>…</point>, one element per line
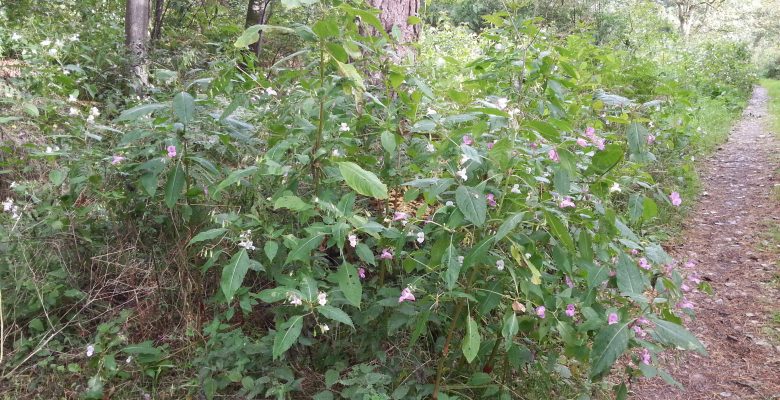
<point>725,394</point>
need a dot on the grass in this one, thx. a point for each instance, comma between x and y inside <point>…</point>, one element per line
<point>773,87</point>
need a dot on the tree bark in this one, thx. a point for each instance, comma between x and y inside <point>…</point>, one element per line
<point>395,13</point>
<point>159,13</point>
<point>258,12</point>
<point>137,42</point>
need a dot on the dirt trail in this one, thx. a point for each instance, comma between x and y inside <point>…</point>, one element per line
<point>726,237</point>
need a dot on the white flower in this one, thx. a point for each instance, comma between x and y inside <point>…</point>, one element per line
<point>515,188</point>
<point>440,62</point>
<point>462,174</point>
<point>90,119</point>
<point>420,237</point>
<point>247,244</point>
<point>72,98</point>
<point>129,359</point>
<point>460,260</point>
<point>353,240</point>
<point>90,350</point>
<point>16,36</point>
<point>74,38</point>
<point>324,328</point>
<point>614,188</point>
<point>449,203</point>
<point>502,102</point>
<point>53,51</point>
<point>500,265</point>
<point>59,43</point>
<point>49,150</point>
<point>344,127</point>
<point>13,184</point>
<point>322,298</point>
<point>463,159</point>
<point>429,147</point>
<point>294,299</point>
<point>94,111</point>
<point>270,92</point>
<point>431,111</point>
<point>8,204</point>
<point>73,111</point>
<point>336,153</point>
<point>46,42</point>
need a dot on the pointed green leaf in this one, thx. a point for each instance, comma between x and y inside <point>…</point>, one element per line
<point>207,235</point>
<point>510,328</point>
<point>335,314</point>
<point>233,274</point>
<point>509,225</point>
<point>450,262</point>
<point>608,345</point>
<point>349,283</point>
<point>669,333</point>
<point>174,186</point>
<point>184,107</point>
<point>362,181</point>
<point>286,335</point>
<point>271,248</point>
<point>559,230</point>
<point>472,340</point>
<point>303,249</point>
<point>629,279</point>
<point>139,111</point>
<point>473,205</point>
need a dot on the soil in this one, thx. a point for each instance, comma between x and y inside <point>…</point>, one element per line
<point>726,236</point>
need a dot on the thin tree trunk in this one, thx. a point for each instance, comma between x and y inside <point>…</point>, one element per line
<point>258,12</point>
<point>395,13</point>
<point>137,41</point>
<point>159,11</point>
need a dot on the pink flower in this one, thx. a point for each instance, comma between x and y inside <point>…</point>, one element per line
<point>639,331</point>
<point>582,142</point>
<point>685,288</point>
<point>534,145</point>
<point>675,198</point>
<point>590,133</point>
<point>117,159</point>
<point>694,278</point>
<point>490,145</point>
<point>398,216</point>
<point>570,310</point>
<point>467,140</point>
<point>685,304</point>
<point>362,273</point>
<point>643,263</point>
<point>642,321</point>
<point>353,240</point>
<point>540,311</point>
<point>645,357</point>
<point>690,264</point>
<point>569,283</point>
<point>600,143</point>
<point>387,254</point>
<point>566,202</point>
<point>406,295</point>
<point>553,155</point>
<point>171,151</point>
<point>634,252</point>
<point>650,139</point>
<point>491,199</point>
<point>612,319</point>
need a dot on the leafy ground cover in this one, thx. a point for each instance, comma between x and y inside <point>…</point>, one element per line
<point>483,222</point>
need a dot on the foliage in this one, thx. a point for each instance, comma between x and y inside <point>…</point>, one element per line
<point>338,226</point>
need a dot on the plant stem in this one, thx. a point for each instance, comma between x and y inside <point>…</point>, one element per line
<point>315,172</point>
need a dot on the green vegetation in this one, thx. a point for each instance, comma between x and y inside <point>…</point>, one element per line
<point>773,88</point>
<point>471,213</point>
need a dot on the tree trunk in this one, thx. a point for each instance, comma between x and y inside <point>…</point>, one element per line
<point>395,13</point>
<point>159,12</point>
<point>258,12</point>
<point>137,41</point>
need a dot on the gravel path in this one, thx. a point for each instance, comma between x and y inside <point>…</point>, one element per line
<point>726,236</point>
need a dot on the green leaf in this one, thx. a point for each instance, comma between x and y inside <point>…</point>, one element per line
<point>139,111</point>
<point>509,329</point>
<point>471,341</point>
<point>473,205</point>
<point>657,254</point>
<point>271,248</point>
<point>509,225</point>
<point>350,72</point>
<point>559,230</point>
<point>252,34</point>
<point>450,262</point>
<point>291,203</point>
<point>649,209</point>
<point>424,125</point>
<point>606,159</point>
<point>174,186</point>
<point>303,248</point>
<point>286,335</point>
<point>362,181</point>
<point>335,314</point>
<point>272,295</point>
<point>207,235</point>
<point>31,110</point>
<point>637,137</point>
<point>546,130</point>
<point>388,142</point>
<point>629,279</point>
<point>561,181</point>
<point>608,345</point>
<point>365,254</point>
<point>349,283</point>
<point>233,274</point>
<point>234,177</point>
<point>184,107</point>
<point>669,333</point>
